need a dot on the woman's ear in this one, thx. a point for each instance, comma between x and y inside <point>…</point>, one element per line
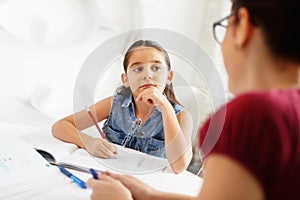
<point>244,27</point>
<point>124,80</point>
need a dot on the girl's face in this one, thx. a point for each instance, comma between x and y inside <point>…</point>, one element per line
<point>146,68</point>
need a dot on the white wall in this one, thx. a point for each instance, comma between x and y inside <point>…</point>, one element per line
<point>40,57</point>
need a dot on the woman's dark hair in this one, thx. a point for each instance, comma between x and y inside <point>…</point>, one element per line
<point>279,21</point>
<point>169,91</point>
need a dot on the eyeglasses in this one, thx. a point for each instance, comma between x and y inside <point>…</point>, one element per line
<point>219,28</point>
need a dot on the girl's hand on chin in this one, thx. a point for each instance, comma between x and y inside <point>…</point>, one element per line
<point>151,96</point>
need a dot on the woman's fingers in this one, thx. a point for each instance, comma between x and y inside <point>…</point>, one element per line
<point>125,179</point>
<point>108,188</point>
<point>91,183</point>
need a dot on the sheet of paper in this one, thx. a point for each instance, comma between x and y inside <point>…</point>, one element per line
<point>81,158</point>
<point>128,161</point>
<point>133,162</point>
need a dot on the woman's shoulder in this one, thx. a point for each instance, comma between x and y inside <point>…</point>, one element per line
<point>274,100</point>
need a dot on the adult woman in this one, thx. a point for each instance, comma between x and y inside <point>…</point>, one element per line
<point>257,155</point>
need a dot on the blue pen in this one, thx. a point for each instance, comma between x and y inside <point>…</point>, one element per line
<point>78,181</point>
<point>94,173</point>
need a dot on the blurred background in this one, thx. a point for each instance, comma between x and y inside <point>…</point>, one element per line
<point>45,42</point>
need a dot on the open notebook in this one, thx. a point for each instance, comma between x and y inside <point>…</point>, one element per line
<point>25,173</point>
<point>127,162</point>
<point>70,156</point>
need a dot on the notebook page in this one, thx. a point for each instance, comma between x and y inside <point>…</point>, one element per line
<point>127,161</point>
<point>22,169</point>
<point>130,161</point>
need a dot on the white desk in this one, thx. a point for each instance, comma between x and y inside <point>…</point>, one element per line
<point>184,183</point>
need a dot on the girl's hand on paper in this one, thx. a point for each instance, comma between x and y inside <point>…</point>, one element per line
<point>101,148</point>
<point>107,187</point>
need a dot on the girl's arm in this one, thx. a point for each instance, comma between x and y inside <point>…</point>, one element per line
<point>69,129</point>
<point>178,133</point>
<point>177,129</point>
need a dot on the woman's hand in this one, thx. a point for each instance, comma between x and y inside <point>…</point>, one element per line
<point>138,189</point>
<point>108,188</point>
<point>100,147</point>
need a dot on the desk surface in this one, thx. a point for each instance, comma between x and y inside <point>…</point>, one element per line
<point>184,183</point>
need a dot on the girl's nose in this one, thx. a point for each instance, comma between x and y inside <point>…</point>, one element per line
<point>147,77</point>
<point>148,74</point>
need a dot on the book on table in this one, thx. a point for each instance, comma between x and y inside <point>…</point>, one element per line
<point>70,156</point>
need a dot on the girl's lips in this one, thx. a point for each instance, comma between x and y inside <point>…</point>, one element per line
<point>147,85</point>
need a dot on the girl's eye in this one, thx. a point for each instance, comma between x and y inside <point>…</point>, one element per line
<point>156,67</point>
<point>138,69</point>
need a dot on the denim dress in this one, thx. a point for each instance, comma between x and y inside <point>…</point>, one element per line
<point>123,128</point>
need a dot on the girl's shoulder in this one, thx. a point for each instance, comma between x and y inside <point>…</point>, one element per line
<point>122,93</point>
<point>177,108</point>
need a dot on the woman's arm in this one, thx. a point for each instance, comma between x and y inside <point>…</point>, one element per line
<point>225,178</point>
<point>69,129</point>
<point>118,186</point>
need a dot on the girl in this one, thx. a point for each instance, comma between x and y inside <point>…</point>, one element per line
<point>143,114</point>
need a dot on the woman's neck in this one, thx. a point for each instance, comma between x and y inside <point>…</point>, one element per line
<point>264,71</point>
<point>277,75</point>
